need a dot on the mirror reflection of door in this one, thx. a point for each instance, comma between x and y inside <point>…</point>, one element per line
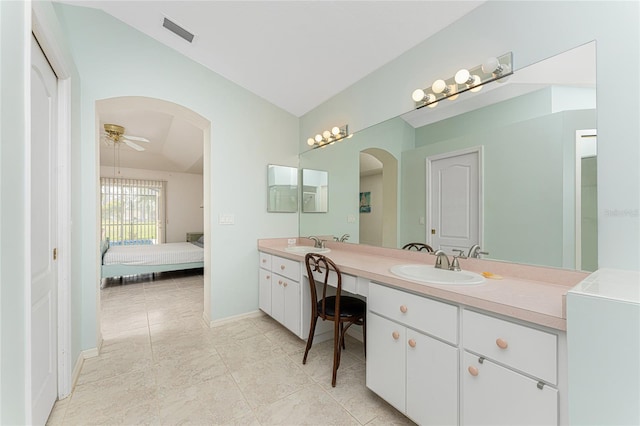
<point>378,225</point>
<point>586,200</point>
<point>453,200</point>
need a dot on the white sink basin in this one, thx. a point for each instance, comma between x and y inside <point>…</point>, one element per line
<point>430,275</point>
<point>306,249</point>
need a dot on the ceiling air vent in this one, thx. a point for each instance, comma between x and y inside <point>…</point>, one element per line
<point>177,30</point>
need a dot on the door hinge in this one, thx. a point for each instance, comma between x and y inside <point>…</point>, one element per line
<point>55,254</point>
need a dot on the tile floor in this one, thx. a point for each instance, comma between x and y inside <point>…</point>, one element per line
<point>160,364</point>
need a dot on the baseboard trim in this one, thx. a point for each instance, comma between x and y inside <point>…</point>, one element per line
<point>77,368</point>
<point>223,321</point>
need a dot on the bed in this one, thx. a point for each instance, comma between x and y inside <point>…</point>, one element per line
<point>118,261</point>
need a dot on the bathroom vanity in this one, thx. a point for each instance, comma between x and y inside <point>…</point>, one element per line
<point>489,353</point>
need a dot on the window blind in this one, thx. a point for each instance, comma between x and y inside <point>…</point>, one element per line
<point>132,211</point>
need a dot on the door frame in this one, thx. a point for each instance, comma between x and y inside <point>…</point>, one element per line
<point>428,194</point>
<point>46,37</point>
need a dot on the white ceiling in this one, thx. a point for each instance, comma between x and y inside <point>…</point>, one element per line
<point>295,54</point>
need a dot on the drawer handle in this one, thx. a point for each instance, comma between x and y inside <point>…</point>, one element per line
<point>502,344</point>
<point>284,284</point>
<point>473,370</point>
<point>403,309</point>
<point>395,335</point>
<point>412,343</point>
<point>282,267</point>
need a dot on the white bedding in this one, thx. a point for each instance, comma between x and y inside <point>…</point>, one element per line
<point>154,254</point>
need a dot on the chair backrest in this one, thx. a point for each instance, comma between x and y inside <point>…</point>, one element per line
<point>418,247</point>
<point>320,270</point>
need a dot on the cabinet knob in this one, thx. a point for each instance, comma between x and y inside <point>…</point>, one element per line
<point>268,277</point>
<point>473,370</point>
<point>403,309</point>
<point>395,335</point>
<point>284,284</point>
<point>264,260</point>
<point>282,267</point>
<point>502,344</point>
<point>412,343</point>
<point>279,282</point>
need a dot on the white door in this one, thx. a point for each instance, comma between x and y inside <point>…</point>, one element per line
<point>43,236</point>
<point>453,200</point>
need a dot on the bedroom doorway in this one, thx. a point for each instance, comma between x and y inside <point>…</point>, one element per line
<point>157,141</point>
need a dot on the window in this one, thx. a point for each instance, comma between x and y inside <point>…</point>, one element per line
<point>132,211</point>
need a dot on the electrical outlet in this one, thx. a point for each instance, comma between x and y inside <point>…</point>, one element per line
<point>291,241</point>
<point>226,219</point>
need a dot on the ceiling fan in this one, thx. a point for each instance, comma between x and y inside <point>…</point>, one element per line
<point>114,134</point>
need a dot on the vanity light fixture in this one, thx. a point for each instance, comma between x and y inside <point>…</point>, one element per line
<point>473,79</point>
<point>329,136</point>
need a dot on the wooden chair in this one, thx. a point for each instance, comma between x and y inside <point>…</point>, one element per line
<point>344,311</point>
<point>418,247</point>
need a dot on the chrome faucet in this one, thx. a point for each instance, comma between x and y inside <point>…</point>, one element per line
<point>474,252</point>
<point>440,256</point>
<point>455,265</point>
<point>317,242</point>
<point>344,238</point>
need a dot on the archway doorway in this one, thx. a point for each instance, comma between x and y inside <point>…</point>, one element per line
<point>174,156</point>
<point>379,188</point>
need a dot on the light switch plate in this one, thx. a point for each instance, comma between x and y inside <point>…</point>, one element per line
<point>226,219</point>
<point>351,219</point>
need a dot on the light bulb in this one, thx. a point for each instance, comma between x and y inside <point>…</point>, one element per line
<point>454,90</point>
<point>433,105</point>
<point>490,65</point>
<point>335,131</point>
<point>318,138</point>
<point>311,141</point>
<point>462,76</point>
<point>417,95</point>
<point>438,86</point>
<point>326,134</point>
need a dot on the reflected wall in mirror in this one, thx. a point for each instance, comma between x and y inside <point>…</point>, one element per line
<point>282,193</point>
<point>526,128</point>
<point>315,191</point>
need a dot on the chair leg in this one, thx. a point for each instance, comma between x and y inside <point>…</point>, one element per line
<point>312,331</point>
<point>336,352</point>
<point>364,334</point>
<point>342,335</point>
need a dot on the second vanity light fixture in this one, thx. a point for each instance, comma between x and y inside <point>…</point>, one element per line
<point>329,136</point>
<point>465,79</point>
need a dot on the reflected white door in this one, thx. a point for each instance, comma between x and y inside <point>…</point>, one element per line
<point>453,200</point>
<point>44,306</point>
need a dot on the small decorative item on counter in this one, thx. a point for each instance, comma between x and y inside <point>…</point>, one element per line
<point>492,275</point>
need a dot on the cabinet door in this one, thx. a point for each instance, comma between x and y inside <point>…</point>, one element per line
<point>292,305</point>
<point>265,291</point>
<point>432,380</point>
<point>499,396</point>
<point>386,374</point>
<point>277,298</point>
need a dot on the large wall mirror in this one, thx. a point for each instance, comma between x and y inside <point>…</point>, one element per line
<point>538,197</point>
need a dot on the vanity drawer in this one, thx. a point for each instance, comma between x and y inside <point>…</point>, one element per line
<point>429,316</point>
<point>527,349</point>
<point>286,267</point>
<point>264,260</point>
<point>348,281</point>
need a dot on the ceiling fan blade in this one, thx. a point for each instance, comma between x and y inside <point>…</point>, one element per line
<point>136,138</point>
<point>133,145</point>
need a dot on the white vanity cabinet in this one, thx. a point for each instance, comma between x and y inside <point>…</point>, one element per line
<point>264,280</point>
<point>407,363</point>
<point>509,373</point>
<point>280,290</point>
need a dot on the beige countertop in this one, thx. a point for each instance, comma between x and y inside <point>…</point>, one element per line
<point>529,293</point>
